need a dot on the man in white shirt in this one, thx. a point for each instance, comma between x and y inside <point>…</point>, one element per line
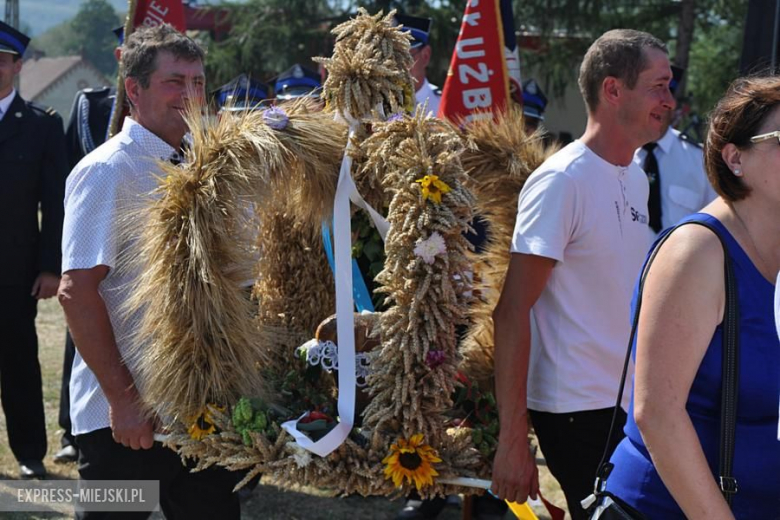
<point>562,321</point>
<point>163,71</point>
<point>420,29</point>
<point>675,169</point>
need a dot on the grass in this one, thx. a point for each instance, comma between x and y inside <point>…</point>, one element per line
<point>266,502</point>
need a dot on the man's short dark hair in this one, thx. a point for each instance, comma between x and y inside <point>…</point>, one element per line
<point>140,50</point>
<point>619,53</point>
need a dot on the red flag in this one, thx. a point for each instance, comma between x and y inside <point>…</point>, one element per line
<point>157,12</point>
<point>477,86</point>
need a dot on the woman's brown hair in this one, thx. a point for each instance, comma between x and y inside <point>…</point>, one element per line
<point>737,117</point>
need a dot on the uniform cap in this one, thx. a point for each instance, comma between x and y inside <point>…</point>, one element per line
<point>297,81</point>
<point>534,100</point>
<point>11,40</point>
<point>120,34</point>
<point>419,28</point>
<point>241,92</point>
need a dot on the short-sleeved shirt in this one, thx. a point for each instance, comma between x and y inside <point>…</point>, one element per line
<point>589,216</point>
<point>431,94</point>
<point>685,188</point>
<point>103,193</point>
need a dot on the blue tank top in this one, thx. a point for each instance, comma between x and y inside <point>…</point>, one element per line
<point>757,449</point>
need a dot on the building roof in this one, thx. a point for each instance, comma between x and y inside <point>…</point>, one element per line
<point>38,75</point>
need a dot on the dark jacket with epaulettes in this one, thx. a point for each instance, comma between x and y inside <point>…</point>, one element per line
<point>33,168</point>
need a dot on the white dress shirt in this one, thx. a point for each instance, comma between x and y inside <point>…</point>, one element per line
<point>431,94</point>
<point>5,103</point>
<point>685,188</point>
<point>105,189</point>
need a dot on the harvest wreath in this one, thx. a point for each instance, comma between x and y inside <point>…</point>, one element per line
<point>367,405</point>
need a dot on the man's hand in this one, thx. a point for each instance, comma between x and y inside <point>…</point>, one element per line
<point>128,425</point>
<point>45,286</point>
<point>515,475</point>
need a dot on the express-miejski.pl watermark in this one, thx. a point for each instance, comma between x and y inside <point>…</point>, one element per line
<point>69,496</point>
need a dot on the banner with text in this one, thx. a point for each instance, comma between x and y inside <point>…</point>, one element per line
<point>157,12</point>
<point>477,85</point>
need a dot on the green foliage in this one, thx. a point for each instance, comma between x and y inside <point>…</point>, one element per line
<point>368,249</point>
<point>89,33</point>
<point>715,53</point>
<point>249,415</point>
<point>56,41</point>
<point>93,26</point>
<point>477,409</point>
<point>567,27</point>
<point>269,36</point>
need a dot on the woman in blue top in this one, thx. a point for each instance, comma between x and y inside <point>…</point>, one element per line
<point>666,466</point>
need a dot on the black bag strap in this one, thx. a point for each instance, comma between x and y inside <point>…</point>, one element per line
<point>729,372</point>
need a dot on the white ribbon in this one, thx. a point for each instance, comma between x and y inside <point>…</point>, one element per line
<point>345,319</point>
<point>466,482</point>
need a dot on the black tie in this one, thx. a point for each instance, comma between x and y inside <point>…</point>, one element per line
<point>653,176</point>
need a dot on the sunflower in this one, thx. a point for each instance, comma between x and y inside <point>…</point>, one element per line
<point>203,425</point>
<point>433,188</point>
<point>411,460</point>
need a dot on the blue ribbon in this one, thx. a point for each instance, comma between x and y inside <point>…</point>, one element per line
<point>359,289</point>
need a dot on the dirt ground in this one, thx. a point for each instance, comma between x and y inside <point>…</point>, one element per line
<point>266,502</point>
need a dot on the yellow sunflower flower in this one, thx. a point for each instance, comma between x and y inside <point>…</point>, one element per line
<point>411,460</point>
<point>433,188</point>
<point>203,425</point>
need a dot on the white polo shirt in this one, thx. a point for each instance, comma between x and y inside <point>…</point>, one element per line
<point>104,191</point>
<point>591,217</point>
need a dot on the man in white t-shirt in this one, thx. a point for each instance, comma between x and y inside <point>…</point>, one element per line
<point>163,70</point>
<point>562,321</point>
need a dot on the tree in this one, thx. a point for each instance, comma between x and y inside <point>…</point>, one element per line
<point>55,41</point>
<point>704,36</point>
<point>93,36</point>
<point>685,30</point>
<point>715,53</point>
<point>269,36</point>
<point>88,33</point>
